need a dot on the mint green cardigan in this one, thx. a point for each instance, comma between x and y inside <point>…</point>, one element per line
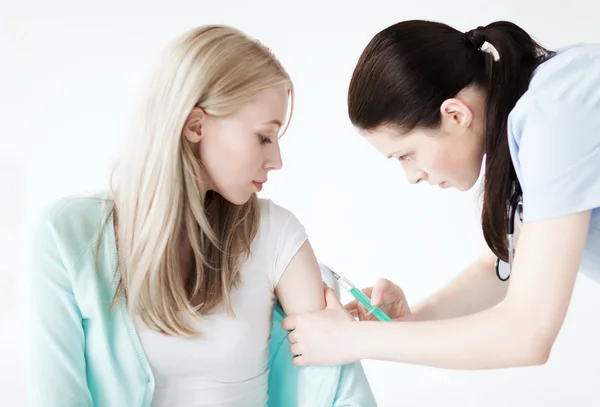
<point>82,353</point>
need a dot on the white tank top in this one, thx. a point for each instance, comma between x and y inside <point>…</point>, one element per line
<point>227,366</point>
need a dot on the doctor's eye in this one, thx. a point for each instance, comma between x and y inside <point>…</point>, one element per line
<point>263,139</point>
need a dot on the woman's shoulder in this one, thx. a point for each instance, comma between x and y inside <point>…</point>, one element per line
<point>570,76</point>
<point>273,212</point>
<point>277,222</point>
<point>72,224</point>
<point>553,135</point>
<point>564,92</point>
<point>280,236</point>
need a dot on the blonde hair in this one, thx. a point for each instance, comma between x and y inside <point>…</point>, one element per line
<point>160,194</point>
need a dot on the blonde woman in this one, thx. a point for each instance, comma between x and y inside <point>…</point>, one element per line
<point>161,292</point>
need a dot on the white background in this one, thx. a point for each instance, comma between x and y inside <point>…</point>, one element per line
<point>70,72</point>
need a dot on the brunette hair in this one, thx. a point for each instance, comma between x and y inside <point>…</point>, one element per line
<point>407,71</point>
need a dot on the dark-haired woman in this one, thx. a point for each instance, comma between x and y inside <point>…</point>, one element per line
<point>440,101</point>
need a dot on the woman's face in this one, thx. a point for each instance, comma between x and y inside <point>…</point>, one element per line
<point>449,156</point>
<point>238,151</point>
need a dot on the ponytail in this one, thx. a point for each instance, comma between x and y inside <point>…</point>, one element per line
<point>518,56</point>
<point>407,71</point>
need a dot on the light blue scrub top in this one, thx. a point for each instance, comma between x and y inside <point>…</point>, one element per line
<point>554,139</point>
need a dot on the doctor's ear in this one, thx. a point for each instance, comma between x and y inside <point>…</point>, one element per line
<point>455,113</point>
<point>193,127</point>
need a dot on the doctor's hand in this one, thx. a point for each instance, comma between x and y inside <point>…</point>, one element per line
<point>322,337</point>
<point>387,296</point>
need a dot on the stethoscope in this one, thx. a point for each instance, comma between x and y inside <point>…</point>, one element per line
<point>514,205</point>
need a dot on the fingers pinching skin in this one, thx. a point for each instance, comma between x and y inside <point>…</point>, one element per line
<point>299,361</point>
<point>289,323</point>
<point>295,349</point>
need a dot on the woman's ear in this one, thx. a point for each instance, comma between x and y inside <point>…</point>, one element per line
<point>192,130</point>
<point>455,114</point>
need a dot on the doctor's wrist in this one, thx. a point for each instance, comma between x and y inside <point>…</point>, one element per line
<point>362,339</point>
<point>424,311</point>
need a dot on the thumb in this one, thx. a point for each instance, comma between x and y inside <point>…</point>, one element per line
<point>331,299</point>
<point>380,288</point>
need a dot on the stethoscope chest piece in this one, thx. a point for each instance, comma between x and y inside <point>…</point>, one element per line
<point>502,270</point>
<point>514,209</point>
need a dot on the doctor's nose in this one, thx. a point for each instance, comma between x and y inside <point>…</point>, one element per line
<point>414,177</point>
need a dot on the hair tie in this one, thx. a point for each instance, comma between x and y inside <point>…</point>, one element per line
<point>476,37</point>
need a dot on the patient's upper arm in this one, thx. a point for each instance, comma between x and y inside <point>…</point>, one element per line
<point>296,276</point>
<point>300,288</point>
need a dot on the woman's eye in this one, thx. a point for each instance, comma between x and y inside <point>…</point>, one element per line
<point>404,158</point>
<point>263,139</point>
